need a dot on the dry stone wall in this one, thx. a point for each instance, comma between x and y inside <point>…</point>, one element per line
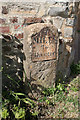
<point>14,17</point>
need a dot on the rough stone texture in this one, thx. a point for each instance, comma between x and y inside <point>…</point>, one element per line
<point>58,21</point>
<point>70,21</point>
<point>68,32</point>
<point>58,11</point>
<point>44,72</point>
<point>62,15</point>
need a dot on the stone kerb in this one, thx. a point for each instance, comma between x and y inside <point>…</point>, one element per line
<point>40,48</point>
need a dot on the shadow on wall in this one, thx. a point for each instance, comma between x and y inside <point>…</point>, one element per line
<point>12,61</point>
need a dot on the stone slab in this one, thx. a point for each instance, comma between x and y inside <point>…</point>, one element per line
<point>58,11</point>
<point>42,71</point>
<point>68,31</point>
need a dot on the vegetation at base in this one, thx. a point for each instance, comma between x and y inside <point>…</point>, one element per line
<point>75,68</point>
<point>16,104</point>
<point>62,99</point>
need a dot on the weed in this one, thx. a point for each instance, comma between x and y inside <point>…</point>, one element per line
<point>75,68</point>
<point>17,105</point>
<point>48,91</point>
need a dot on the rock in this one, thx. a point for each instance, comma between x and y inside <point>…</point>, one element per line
<point>68,31</point>
<point>70,21</point>
<point>40,59</point>
<point>57,22</point>
<point>58,11</point>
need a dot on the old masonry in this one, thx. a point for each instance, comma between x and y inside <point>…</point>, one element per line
<point>50,34</point>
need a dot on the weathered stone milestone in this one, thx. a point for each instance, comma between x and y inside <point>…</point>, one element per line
<point>40,46</point>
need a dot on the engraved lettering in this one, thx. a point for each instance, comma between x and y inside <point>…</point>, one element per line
<point>44,45</point>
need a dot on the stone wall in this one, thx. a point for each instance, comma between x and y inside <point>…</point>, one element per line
<point>14,17</point>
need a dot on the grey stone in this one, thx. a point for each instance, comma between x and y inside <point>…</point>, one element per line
<point>68,31</point>
<point>58,21</point>
<point>70,21</point>
<point>58,11</point>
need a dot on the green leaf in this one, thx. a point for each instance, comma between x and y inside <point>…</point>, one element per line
<point>27,102</point>
<point>30,100</point>
<point>44,98</point>
<point>20,94</point>
<point>74,88</point>
<point>47,101</point>
<point>5,113</point>
<point>35,113</point>
<point>18,112</point>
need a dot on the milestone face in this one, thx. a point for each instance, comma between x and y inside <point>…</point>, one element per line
<point>43,45</point>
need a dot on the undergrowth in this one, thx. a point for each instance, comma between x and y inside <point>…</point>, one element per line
<point>75,68</point>
<point>16,105</point>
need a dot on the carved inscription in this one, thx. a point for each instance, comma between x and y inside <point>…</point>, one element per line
<point>43,45</point>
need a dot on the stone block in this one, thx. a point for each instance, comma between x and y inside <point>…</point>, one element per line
<point>40,63</point>
<point>68,32</point>
<point>70,21</point>
<point>58,21</point>
<point>58,11</point>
